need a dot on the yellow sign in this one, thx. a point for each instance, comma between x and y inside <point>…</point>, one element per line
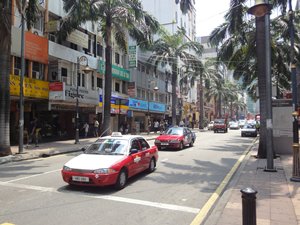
<point>32,88</point>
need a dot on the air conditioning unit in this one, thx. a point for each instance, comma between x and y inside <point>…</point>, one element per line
<point>17,71</point>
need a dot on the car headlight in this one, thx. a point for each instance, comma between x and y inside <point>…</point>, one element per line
<point>67,168</point>
<point>104,171</point>
<point>175,141</point>
<point>157,141</point>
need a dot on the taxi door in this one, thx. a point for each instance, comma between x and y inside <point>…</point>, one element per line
<point>146,155</point>
<point>135,165</point>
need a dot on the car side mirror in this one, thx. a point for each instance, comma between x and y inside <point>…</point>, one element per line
<point>133,151</point>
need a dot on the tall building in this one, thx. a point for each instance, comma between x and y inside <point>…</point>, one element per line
<point>54,73</point>
<point>170,16</point>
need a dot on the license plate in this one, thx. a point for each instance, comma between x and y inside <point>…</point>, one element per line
<point>164,143</point>
<point>80,179</point>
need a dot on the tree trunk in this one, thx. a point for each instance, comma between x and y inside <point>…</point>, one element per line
<point>174,94</point>
<point>5,36</point>
<point>106,126</point>
<point>201,113</point>
<point>261,70</point>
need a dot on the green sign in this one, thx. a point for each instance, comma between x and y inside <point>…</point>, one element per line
<point>117,72</point>
<point>132,56</point>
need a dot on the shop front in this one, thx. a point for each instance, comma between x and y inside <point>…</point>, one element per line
<point>36,94</point>
<point>62,107</point>
<point>144,114</point>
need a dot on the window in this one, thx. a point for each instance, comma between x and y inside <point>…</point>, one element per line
<point>135,145</point>
<point>144,144</point>
<point>99,50</point>
<point>83,80</point>
<point>124,87</point>
<point>117,87</point>
<point>36,70</point>
<point>64,72</point>
<point>93,82</point>
<point>117,58</point>
<point>99,82</point>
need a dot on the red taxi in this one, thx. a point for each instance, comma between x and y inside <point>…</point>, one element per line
<point>175,138</point>
<point>111,160</point>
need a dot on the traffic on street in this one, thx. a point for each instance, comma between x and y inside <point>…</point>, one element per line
<point>183,181</point>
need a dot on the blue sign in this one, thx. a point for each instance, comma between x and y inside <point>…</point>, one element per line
<point>153,106</point>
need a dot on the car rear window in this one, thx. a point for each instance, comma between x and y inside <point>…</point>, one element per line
<point>219,121</point>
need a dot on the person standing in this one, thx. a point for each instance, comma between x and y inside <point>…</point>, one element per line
<point>156,126</point>
<point>86,127</point>
<point>96,127</point>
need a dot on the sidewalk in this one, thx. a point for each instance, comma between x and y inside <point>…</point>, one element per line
<point>53,148</point>
<point>278,199</point>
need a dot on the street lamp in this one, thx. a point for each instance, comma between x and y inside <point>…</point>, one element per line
<point>262,9</point>
<point>81,61</point>
<point>148,99</point>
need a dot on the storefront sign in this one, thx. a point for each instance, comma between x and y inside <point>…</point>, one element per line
<point>117,105</point>
<point>131,89</point>
<point>140,104</point>
<point>56,86</point>
<point>84,95</point>
<point>69,94</point>
<point>32,87</point>
<point>53,26</point>
<point>117,72</point>
<point>132,56</point>
<point>36,48</point>
<point>79,38</point>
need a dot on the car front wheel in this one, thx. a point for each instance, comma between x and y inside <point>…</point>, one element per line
<point>152,166</point>
<point>122,180</point>
<point>181,145</point>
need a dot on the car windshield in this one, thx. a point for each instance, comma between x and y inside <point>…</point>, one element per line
<point>108,147</point>
<point>219,121</point>
<point>175,131</point>
<point>248,125</point>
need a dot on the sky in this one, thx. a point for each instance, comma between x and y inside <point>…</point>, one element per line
<point>210,14</point>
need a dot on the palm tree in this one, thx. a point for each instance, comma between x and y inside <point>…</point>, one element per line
<point>28,10</point>
<point>117,19</point>
<point>185,5</point>
<point>237,40</point>
<point>169,49</point>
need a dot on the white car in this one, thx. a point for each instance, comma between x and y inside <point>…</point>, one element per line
<point>210,126</point>
<point>242,123</point>
<point>234,125</point>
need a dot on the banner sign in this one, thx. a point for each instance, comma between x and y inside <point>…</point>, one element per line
<point>32,87</point>
<point>117,72</point>
<point>132,56</point>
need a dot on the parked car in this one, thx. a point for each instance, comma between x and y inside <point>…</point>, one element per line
<point>249,130</point>
<point>220,125</point>
<point>175,138</point>
<point>210,126</point>
<point>111,160</point>
<point>234,125</point>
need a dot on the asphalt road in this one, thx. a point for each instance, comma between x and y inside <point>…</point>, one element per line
<point>33,193</point>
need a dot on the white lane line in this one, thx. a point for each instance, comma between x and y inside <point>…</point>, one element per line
<point>36,175</point>
<point>164,160</point>
<point>148,203</point>
<point>110,198</point>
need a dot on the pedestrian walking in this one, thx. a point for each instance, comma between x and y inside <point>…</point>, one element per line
<point>181,123</point>
<point>86,127</point>
<point>96,127</point>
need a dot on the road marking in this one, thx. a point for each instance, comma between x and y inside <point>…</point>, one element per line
<point>164,160</point>
<point>214,197</point>
<point>110,198</point>
<point>148,203</point>
<point>36,175</point>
